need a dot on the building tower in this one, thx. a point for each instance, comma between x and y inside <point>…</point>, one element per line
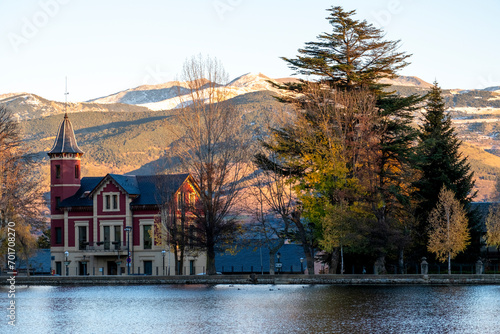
<point>65,158</point>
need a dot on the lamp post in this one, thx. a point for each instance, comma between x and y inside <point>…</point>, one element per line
<point>128,229</point>
<point>301,265</point>
<point>279,264</point>
<point>84,265</point>
<point>66,262</point>
<point>163,254</point>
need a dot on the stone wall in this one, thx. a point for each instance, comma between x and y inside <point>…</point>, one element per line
<point>259,279</point>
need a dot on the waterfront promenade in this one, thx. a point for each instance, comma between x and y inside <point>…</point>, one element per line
<point>259,279</point>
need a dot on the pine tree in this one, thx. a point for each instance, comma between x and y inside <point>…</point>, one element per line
<point>440,162</point>
<point>373,135</point>
<point>354,54</point>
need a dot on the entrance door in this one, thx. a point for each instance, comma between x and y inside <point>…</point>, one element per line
<point>82,268</point>
<point>112,268</point>
<point>148,267</point>
<point>58,268</point>
<point>191,267</point>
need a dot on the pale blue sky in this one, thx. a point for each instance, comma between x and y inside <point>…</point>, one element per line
<point>109,45</point>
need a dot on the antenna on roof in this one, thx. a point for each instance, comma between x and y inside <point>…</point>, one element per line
<point>66,99</point>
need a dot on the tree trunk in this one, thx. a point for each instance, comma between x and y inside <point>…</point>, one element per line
<point>271,262</point>
<point>177,263</point>
<point>401,262</point>
<point>334,261</point>
<point>342,260</point>
<point>449,263</point>
<point>379,266</point>
<point>28,266</point>
<point>309,259</point>
<point>272,254</point>
<point>211,261</point>
<point>305,245</point>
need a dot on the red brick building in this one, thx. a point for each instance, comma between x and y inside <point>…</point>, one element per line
<point>96,221</point>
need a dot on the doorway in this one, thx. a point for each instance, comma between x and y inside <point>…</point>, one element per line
<point>112,268</point>
<point>82,268</point>
<point>148,267</point>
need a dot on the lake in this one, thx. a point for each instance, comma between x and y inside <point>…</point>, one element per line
<point>254,309</point>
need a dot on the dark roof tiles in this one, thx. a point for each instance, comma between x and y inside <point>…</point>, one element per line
<point>157,188</point>
<point>80,198</point>
<point>148,189</point>
<point>65,139</point>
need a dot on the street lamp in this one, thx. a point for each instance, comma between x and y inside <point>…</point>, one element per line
<point>279,264</point>
<point>163,254</point>
<point>128,229</point>
<point>301,265</point>
<point>66,262</point>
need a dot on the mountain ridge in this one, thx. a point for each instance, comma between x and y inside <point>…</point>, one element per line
<point>172,94</point>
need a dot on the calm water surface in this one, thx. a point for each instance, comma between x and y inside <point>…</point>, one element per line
<point>254,309</point>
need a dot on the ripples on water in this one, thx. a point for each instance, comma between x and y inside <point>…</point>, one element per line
<point>255,309</point>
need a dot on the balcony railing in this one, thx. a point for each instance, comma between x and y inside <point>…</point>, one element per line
<point>102,246</point>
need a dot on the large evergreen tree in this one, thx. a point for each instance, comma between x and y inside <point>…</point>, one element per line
<point>354,54</point>
<point>440,162</point>
<point>371,137</point>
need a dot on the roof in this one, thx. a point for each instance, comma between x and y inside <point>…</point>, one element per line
<point>65,139</point>
<point>251,258</point>
<point>127,182</point>
<point>79,199</point>
<point>158,188</point>
<point>39,262</point>
<point>148,189</point>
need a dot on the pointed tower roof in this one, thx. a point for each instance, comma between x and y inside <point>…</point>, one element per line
<point>65,140</point>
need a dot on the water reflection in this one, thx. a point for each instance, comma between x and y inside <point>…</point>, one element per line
<point>255,309</point>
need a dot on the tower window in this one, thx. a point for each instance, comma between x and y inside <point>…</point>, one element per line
<point>58,202</point>
<point>77,171</point>
<point>58,171</point>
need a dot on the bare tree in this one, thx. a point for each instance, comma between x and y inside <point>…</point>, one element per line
<point>21,196</point>
<point>170,229</point>
<point>449,234</point>
<point>213,146</point>
<point>273,204</point>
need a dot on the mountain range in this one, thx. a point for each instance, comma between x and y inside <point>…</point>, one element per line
<point>128,131</point>
<point>167,96</point>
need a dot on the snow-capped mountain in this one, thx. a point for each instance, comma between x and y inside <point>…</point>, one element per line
<point>28,106</point>
<point>494,89</point>
<point>244,84</point>
<point>171,95</point>
<point>146,93</point>
<point>406,81</point>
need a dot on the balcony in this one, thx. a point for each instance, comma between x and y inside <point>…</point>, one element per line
<point>103,246</point>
